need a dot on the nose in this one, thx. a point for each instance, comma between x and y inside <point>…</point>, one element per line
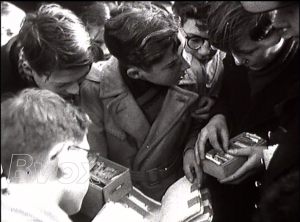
<point>105,49</point>
<point>238,60</point>
<point>73,89</point>
<point>204,50</point>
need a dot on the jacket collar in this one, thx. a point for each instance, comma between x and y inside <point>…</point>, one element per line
<point>108,75</point>
<point>125,111</point>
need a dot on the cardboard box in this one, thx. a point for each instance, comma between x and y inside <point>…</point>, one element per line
<point>102,188</point>
<point>222,166</point>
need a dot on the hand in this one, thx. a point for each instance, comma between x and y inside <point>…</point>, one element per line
<point>191,168</point>
<point>253,163</point>
<point>205,105</point>
<point>214,130</point>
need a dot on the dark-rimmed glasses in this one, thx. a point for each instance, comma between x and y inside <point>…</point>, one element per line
<point>194,42</point>
<point>80,148</point>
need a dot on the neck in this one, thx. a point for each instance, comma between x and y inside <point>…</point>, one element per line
<point>136,86</point>
<point>49,191</point>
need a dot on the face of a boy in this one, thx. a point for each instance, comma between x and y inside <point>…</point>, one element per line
<point>195,28</point>
<point>257,55</point>
<point>64,82</point>
<point>168,70</point>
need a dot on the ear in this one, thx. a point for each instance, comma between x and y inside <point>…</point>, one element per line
<point>134,72</point>
<point>59,156</point>
<point>27,68</point>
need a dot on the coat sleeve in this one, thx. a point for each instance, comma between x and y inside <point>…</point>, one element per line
<point>89,100</point>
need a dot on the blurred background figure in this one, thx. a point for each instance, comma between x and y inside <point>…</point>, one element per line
<point>11,20</point>
<point>94,17</point>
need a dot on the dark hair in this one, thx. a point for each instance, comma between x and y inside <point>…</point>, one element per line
<point>95,13</point>
<point>140,36</point>
<point>54,38</point>
<point>229,23</point>
<point>35,120</point>
<point>191,10</point>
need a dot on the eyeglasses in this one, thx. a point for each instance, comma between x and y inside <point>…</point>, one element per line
<point>194,42</point>
<point>80,148</point>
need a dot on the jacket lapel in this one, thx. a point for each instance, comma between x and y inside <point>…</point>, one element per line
<point>177,102</point>
<point>121,104</point>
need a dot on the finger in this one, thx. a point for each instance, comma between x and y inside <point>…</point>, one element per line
<point>203,116</point>
<point>203,110</point>
<point>225,138</point>
<point>245,168</point>
<point>202,141</point>
<point>214,141</point>
<point>203,102</point>
<point>196,116</point>
<point>236,180</point>
<point>188,173</point>
<point>198,173</point>
<point>197,150</point>
<point>240,151</point>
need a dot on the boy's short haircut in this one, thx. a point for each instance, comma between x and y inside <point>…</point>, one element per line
<point>54,38</point>
<point>191,10</point>
<point>140,36</point>
<point>35,120</point>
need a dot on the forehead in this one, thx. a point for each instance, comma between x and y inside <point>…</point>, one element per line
<point>69,75</point>
<point>196,27</point>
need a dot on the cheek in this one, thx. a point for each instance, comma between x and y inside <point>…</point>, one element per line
<point>188,50</point>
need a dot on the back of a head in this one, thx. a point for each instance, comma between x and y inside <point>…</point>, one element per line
<point>54,38</point>
<point>191,10</point>
<point>140,36</point>
<point>11,20</point>
<point>229,24</point>
<point>35,120</point>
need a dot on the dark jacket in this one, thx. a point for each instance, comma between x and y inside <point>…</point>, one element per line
<point>248,98</point>
<point>249,105</point>
<point>122,133</point>
<point>279,190</point>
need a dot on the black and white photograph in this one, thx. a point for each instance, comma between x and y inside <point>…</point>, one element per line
<point>150,111</point>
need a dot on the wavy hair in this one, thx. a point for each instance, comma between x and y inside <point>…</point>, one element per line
<point>229,24</point>
<point>140,36</point>
<point>54,38</point>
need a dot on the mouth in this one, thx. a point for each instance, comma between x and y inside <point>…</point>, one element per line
<point>181,77</point>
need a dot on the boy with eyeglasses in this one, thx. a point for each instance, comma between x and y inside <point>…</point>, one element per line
<point>206,63</point>
<point>44,152</point>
